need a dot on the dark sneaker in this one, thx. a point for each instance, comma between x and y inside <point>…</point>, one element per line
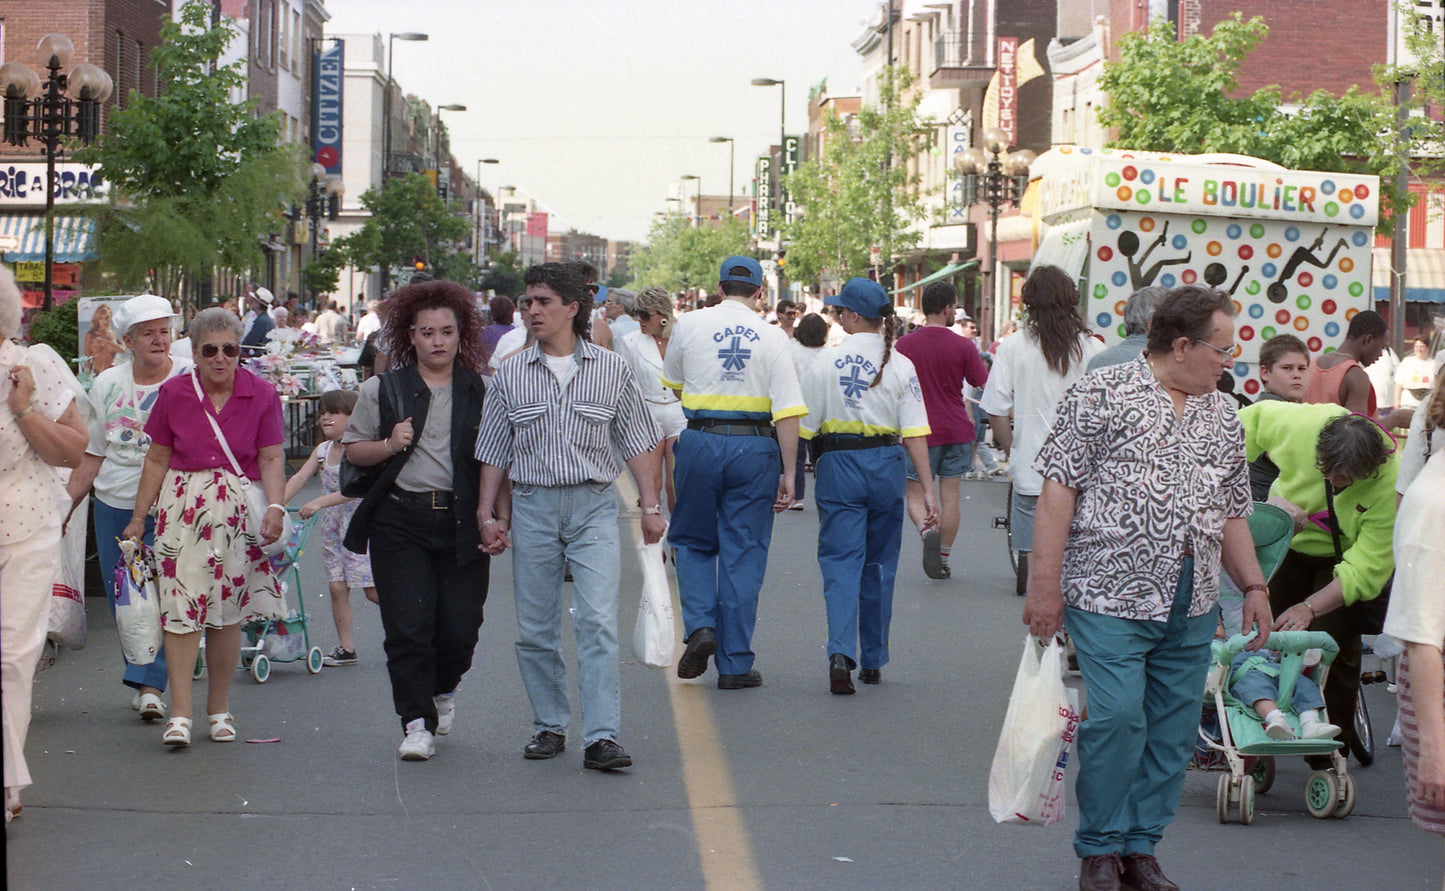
<point>700,647</point>
<point>753,678</point>
<point>933,565</point>
<point>604,754</point>
<point>545,745</point>
<point>339,656</point>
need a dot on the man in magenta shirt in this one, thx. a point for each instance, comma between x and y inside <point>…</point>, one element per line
<point>943,360</point>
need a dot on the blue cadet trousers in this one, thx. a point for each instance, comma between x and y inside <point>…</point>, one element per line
<point>720,531</point>
<point>860,498</point>
<point>1145,686</point>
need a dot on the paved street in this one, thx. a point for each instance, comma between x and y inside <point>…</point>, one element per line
<point>782,787</point>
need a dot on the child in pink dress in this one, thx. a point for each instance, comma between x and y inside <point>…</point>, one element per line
<point>344,570</point>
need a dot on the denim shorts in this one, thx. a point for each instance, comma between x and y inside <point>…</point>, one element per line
<point>953,459</point>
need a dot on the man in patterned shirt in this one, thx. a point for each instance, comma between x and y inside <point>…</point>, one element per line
<point>1145,491</point>
<point>555,419</point>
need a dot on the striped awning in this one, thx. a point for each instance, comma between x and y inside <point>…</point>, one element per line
<point>1424,275</point>
<point>22,238</point>
<point>945,272</point>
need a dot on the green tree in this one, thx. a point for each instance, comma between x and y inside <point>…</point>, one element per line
<point>859,195</point>
<point>504,275</point>
<point>198,180</point>
<point>408,220</point>
<point>1169,95</point>
<point>678,254</point>
<point>323,273</point>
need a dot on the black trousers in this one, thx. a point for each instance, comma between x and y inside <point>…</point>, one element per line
<point>431,605</point>
<point>1298,577</point>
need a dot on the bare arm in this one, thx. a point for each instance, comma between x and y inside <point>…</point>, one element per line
<point>299,479</point>
<point>1355,391</point>
<point>787,429</point>
<point>647,472</point>
<point>59,443</point>
<point>83,478</point>
<point>1044,607</point>
<point>1326,600</point>
<point>370,452</point>
<point>917,447</point>
<point>272,461</point>
<point>1003,434</point>
<point>152,474</point>
<point>1427,688</point>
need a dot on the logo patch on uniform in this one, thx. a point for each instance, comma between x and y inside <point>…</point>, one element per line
<point>734,356</point>
<point>853,384</point>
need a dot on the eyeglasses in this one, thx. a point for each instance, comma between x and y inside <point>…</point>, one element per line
<point>593,288</point>
<point>641,315</point>
<point>790,313</point>
<point>209,350</point>
<point>1223,351</point>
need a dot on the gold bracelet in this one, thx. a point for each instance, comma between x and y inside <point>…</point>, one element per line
<point>1306,604</point>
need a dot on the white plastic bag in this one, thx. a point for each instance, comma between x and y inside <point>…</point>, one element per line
<point>1026,782</point>
<point>137,604</point>
<point>653,636</point>
<point>67,601</point>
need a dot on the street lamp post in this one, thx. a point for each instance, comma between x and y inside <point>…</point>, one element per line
<point>66,105</point>
<point>697,218</point>
<point>478,247</point>
<point>732,145</point>
<point>325,198</point>
<point>996,180</point>
<point>782,144</point>
<point>437,144</point>
<point>386,101</point>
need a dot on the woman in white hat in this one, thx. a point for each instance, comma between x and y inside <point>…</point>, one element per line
<point>122,397</point>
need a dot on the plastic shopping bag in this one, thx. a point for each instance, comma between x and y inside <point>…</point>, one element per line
<point>1026,782</point>
<point>67,601</point>
<point>137,604</point>
<point>654,635</point>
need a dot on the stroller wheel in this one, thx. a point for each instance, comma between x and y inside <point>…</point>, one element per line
<point>1346,803</point>
<point>1246,799</point>
<point>261,668</point>
<point>313,660</point>
<point>1221,799</point>
<point>1322,794</point>
<point>1263,772</point>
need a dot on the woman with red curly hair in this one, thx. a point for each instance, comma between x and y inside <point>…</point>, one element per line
<point>420,419</point>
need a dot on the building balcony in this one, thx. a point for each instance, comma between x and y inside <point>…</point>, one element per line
<point>961,60</point>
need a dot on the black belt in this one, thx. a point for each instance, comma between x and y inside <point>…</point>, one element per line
<point>424,500</point>
<point>832,442</point>
<point>731,428</point>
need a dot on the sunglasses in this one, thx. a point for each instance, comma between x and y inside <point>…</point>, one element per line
<point>641,315</point>
<point>209,350</point>
<point>790,313</point>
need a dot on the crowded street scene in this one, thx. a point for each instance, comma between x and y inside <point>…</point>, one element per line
<point>1026,472</point>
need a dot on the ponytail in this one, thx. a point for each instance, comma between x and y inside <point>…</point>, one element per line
<point>889,319</point>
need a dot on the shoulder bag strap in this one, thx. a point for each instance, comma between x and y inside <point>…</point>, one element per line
<point>1334,520</point>
<point>220,437</point>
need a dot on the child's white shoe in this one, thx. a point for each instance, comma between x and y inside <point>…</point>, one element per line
<point>1316,729</point>
<point>1276,727</point>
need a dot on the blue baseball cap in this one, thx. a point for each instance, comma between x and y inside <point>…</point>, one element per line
<point>729,273</point>
<point>862,295</point>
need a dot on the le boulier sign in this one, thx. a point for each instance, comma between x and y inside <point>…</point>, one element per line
<point>23,184</point>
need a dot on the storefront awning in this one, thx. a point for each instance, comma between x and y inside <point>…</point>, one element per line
<point>945,272</point>
<point>1424,275</point>
<point>1065,246</point>
<point>22,238</point>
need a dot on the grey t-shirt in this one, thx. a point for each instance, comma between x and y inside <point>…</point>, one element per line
<point>430,467</point>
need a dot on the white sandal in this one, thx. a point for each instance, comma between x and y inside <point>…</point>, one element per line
<point>223,727</point>
<point>178,732</point>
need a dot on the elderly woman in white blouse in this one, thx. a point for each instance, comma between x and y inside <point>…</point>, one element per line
<point>644,350</point>
<point>40,429</point>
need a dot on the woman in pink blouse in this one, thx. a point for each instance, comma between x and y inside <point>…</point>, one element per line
<point>213,575</point>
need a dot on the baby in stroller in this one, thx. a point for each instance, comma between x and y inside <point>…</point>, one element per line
<point>1254,679</point>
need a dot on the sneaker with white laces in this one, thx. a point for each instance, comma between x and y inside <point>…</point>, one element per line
<point>339,656</point>
<point>446,712</point>
<point>419,744</point>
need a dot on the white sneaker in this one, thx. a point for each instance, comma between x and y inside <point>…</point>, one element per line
<point>1317,730</point>
<point>419,744</point>
<point>446,713</point>
<point>1276,727</point>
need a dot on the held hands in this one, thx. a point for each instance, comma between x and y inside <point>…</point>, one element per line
<point>494,536</point>
<point>401,436</point>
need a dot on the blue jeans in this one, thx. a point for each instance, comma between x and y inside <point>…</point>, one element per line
<point>578,525</point>
<point>860,515</point>
<point>1021,510</point>
<point>721,529</point>
<point>1144,681</point>
<point>1252,685</point>
<point>110,522</point>
<point>953,459</point>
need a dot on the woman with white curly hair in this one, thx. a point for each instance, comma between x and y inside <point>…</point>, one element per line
<point>40,429</point>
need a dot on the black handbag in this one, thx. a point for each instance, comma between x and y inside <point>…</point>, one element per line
<point>392,407</point>
<point>357,481</point>
<point>1363,616</point>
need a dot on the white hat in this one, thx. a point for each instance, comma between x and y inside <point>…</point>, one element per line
<point>145,308</point>
<point>265,296</point>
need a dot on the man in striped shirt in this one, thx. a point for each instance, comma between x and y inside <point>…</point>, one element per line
<point>556,417</point>
<point>739,390</point>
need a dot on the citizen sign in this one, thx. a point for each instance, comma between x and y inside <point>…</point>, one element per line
<point>326,132</point>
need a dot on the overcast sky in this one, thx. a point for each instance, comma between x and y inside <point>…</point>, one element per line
<point>594,109</point>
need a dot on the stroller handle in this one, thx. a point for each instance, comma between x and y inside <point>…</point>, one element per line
<point>1286,642</point>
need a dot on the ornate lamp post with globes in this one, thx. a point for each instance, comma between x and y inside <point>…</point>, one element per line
<point>992,178</point>
<point>64,106</point>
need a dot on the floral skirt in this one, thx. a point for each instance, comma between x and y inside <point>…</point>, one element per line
<point>212,573</point>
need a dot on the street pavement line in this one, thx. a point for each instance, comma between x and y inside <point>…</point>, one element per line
<point>724,848</point>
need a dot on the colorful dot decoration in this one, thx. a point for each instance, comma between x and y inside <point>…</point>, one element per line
<point>1299,278</point>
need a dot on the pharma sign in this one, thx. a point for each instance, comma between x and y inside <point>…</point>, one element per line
<point>763,225</point>
<point>326,108</point>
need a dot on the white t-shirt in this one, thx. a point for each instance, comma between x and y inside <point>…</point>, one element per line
<point>369,325</point>
<point>1414,373</point>
<point>727,362</point>
<point>840,399</point>
<point>118,434</point>
<point>1022,382</point>
<point>562,367</point>
<point>508,344</point>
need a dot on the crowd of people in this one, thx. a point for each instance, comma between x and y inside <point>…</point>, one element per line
<point>503,425</point>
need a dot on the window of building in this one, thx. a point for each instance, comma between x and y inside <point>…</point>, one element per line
<point>120,68</point>
<point>2,41</point>
<point>283,51</point>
